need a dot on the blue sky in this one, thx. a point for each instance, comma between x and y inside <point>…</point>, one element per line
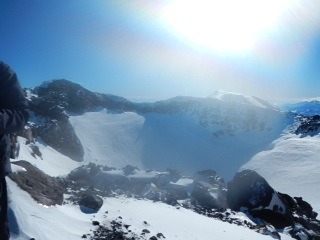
<point>125,48</point>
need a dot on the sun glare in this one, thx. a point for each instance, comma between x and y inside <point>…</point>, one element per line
<point>224,25</point>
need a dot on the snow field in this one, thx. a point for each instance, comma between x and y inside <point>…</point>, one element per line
<point>67,222</point>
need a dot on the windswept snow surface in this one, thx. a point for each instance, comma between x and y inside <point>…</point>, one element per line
<point>67,222</point>
<point>292,166</point>
<point>109,138</point>
<point>29,219</point>
<point>52,162</point>
<point>177,141</point>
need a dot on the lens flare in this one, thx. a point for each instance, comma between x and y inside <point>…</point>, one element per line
<point>228,25</point>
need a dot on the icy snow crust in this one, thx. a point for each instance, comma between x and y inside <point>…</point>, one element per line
<point>292,166</point>
<point>177,141</point>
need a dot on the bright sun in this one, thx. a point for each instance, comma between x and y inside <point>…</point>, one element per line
<point>224,25</point>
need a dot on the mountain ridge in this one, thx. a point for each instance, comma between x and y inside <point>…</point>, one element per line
<point>185,133</point>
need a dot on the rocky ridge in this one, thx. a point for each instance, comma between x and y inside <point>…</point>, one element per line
<point>248,194</point>
<point>307,126</point>
<point>205,193</point>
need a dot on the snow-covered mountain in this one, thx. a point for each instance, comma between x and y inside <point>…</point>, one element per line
<point>309,107</point>
<point>242,99</point>
<point>182,133</point>
<point>119,141</point>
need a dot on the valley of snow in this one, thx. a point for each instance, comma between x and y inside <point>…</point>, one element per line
<point>177,141</point>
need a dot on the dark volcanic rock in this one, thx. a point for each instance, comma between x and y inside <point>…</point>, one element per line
<point>73,98</point>
<point>305,208</point>
<point>308,126</point>
<point>248,189</point>
<point>43,188</point>
<point>209,190</point>
<point>209,176</point>
<point>153,193</point>
<point>128,170</point>
<point>251,191</point>
<point>61,136</point>
<point>91,201</point>
<point>53,101</point>
<point>209,196</point>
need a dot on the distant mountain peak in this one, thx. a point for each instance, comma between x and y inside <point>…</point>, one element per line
<point>242,99</point>
<point>316,99</point>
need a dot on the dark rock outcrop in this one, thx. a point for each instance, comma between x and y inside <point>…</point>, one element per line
<point>60,135</point>
<point>248,189</point>
<point>153,193</point>
<point>209,176</point>
<point>308,126</point>
<point>249,192</point>
<point>43,188</point>
<point>73,98</point>
<point>209,190</point>
<point>91,202</point>
<point>53,101</point>
<point>209,196</point>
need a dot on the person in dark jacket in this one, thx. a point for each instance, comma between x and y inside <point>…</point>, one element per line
<point>13,117</point>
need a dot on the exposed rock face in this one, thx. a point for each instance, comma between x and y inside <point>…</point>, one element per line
<point>308,126</point>
<point>153,193</point>
<point>52,102</point>
<point>61,136</point>
<point>91,201</point>
<point>209,176</point>
<point>73,98</point>
<point>209,190</point>
<point>248,189</point>
<point>43,188</point>
<point>250,192</point>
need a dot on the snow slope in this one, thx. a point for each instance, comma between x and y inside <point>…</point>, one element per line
<point>109,138</point>
<point>177,141</point>
<point>292,166</point>
<point>67,222</point>
<point>52,162</point>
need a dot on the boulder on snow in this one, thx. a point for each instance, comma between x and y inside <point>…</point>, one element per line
<point>209,190</point>
<point>308,126</point>
<point>248,189</point>
<point>91,202</point>
<point>251,191</point>
<point>153,193</point>
<point>209,176</point>
<point>209,196</point>
<point>128,170</point>
<point>43,188</point>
